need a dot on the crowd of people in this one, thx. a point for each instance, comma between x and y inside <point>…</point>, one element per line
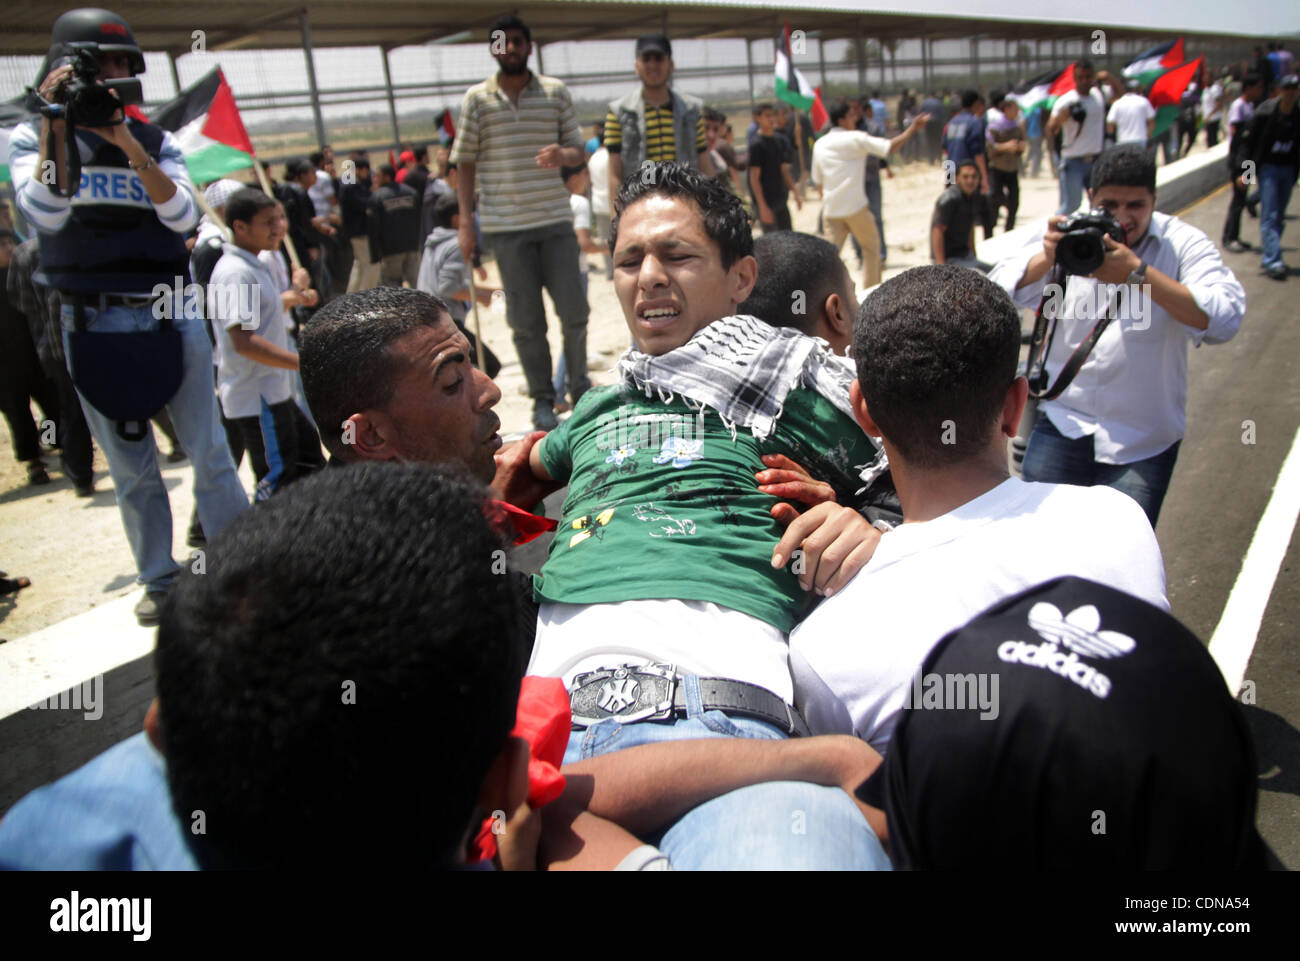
<point>786,619</point>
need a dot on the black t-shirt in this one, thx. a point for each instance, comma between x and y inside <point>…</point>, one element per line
<point>957,213</point>
<point>1278,138</point>
<point>767,154</point>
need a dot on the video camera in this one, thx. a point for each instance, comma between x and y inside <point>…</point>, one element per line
<point>1081,250</point>
<point>83,99</point>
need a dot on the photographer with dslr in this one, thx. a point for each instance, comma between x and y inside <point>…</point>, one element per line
<point>111,199</point>
<point>1113,407</point>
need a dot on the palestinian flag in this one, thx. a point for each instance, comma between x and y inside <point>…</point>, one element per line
<point>446,129</point>
<point>12,113</point>
<point>1150,64</point>
<point>793,87</point>
<point>207,127</point>
<point>1043,90</point>
<point>1168,90</point>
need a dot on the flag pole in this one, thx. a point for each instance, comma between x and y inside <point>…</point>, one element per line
<point>266,186</point>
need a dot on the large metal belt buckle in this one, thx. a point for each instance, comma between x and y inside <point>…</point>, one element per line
<point>629,693</point>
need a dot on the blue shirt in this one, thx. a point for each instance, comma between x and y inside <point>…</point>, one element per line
<point>112,814</point>
<point>963,138</point>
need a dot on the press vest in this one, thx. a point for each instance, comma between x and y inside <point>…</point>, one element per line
<point>113,241</point>
<point>630,111</point>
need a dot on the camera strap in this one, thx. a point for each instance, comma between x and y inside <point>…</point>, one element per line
<point>1045,332</point>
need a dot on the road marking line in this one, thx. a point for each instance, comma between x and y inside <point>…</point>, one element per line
<point>1234,638</point>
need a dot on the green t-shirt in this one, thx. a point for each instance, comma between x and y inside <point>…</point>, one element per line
<point>662,501</point>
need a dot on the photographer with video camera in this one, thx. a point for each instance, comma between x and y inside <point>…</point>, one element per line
<point>111,199</point>
<point>1109,357</point>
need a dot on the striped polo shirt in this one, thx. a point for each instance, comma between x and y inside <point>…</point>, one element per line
<point>660,141</point>
<point>502,139</point>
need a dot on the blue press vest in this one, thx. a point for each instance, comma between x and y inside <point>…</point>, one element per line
<point>113,242</point>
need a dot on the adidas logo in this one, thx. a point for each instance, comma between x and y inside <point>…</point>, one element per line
<point>1079,631</point>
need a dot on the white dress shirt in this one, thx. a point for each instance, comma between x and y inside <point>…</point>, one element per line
<point>837,164</point>
<point>1131,393</point>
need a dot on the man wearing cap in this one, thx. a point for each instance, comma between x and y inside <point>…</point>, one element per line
<point>107,251</point>
<point>654,122</point>
<point>1273,143</point>
<point>516,130</point>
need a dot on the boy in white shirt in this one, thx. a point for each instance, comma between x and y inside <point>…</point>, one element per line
<point>254,363</point>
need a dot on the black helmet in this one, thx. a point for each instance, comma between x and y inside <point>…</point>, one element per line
<point>93,25</point>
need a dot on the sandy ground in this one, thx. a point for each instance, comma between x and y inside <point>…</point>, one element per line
<point>75,552</point>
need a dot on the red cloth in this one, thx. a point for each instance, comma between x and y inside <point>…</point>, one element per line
<point>543,719</point>
<point>521,526</point>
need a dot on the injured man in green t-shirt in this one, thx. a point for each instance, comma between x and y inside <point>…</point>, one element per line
<point>663,599</point>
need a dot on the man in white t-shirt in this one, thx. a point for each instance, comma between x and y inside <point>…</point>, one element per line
<point>1079,116</point>
<point>838,168</point>
<point>1131,118</point>
<point>941,389</point>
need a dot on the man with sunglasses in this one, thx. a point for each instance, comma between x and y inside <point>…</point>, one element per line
<point>654,122</point>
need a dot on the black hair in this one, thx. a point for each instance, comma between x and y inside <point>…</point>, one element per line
<point>510,22</point>
<point>7,234</point>
<point>936,348</point>
<point>361,163</point>
<point>760,108</point>
<point>296,167</point>
<point>1251,79</point>
<point>567,172</point>
<point>969,98</point>
<point>316,158</point>
<point>388,170</point>
<point>839,110</point>
<point>996,97</point>
<point>1083,63</point>
<point>445,208</point>
<point>245,204</point>
<point>714,115</point>
<point>346,354</point>
<point>790,262</point>
<point>1125,165</point>
<point>336,629</point>
<point>421,154</point>
<point>724,216</point>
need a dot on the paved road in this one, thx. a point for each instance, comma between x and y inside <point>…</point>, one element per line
<point>1219,491</point>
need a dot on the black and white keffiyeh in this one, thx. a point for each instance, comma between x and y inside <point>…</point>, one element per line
<point>743,369</point>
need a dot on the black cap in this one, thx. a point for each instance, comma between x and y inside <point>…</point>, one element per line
<point>1290,80</point>
<point>1110,741</point>
<point>656,42</point>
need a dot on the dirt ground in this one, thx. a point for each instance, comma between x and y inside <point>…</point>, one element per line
<point>75,552</point>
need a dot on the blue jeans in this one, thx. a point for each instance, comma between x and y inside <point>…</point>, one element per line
<point>1053,458</point>
<point>1075,172</point>
<point>1275,183</point>
<point>133,465</point>
<point>779,825</point>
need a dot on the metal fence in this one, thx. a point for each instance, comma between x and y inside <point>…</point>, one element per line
<point>370,99</point>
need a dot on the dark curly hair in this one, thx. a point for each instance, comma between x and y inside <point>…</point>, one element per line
<point>336,684</point>
<point>932,345</point>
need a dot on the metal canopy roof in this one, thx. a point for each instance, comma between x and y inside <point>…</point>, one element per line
<point>240,24</point>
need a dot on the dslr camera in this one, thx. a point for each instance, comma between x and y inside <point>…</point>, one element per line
<point>1078,113</point>
<point>84,100</point>
<point>1081,250</point>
